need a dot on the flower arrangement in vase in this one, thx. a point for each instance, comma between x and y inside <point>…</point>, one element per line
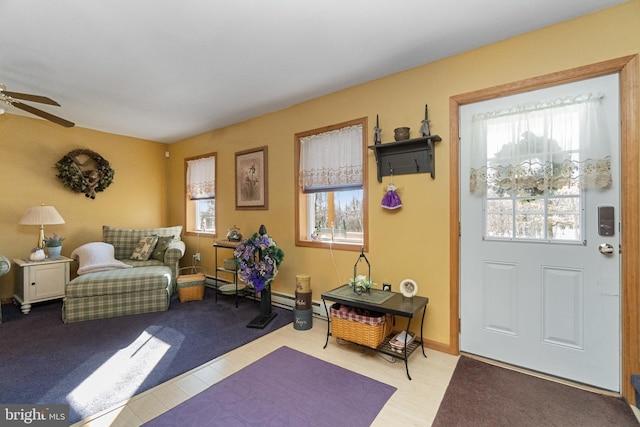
<point>53,245</point>
<point>361,284</point>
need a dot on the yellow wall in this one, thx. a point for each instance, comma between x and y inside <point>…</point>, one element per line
<point>410,243</point>
<point>31,147</point>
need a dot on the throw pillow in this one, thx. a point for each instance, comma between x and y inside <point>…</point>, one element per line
<point>161,247</point>
<point>96,256</point>
<point>144,248</point>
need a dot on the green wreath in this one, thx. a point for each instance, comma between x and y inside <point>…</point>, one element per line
<point>82,178</point>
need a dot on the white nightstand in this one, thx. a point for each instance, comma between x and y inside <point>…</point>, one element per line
<point>40,280</point>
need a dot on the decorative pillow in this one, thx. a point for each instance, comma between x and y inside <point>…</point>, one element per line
<point>144,248</point>
<point>96,256</point>
<point>161,247</point>
<point>124,239</point>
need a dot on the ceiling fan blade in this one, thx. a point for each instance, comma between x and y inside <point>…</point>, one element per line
<point>43,114</point>
<point>32,98</point>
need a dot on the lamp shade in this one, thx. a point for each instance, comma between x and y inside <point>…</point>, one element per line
<point>41,215</point>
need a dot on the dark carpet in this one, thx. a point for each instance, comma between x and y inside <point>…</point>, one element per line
<point>97,364</point>
<point>481,394</point>
<point>284,388</point>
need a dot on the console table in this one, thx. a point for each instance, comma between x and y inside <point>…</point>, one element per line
<point>397,305</point>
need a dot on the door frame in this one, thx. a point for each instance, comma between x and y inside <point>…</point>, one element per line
<point>628,67</point>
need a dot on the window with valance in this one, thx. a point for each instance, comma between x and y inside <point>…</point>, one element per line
<point>331,195</point>
<point>532,164</point>
<point>200,192</point>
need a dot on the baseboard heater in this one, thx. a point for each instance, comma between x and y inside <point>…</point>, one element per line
<point>288,301</point>
<point>279,299</point>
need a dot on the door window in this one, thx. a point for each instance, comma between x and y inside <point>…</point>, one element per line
<point>549,217</point>
<point>533,164</point>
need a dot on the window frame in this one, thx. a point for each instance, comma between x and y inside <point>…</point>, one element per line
<point>301,212</point>
<point>189,205</point>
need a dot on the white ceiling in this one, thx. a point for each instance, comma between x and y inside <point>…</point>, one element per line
<point>165,70</point>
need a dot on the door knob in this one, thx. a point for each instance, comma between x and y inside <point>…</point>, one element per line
<point>605,249</point>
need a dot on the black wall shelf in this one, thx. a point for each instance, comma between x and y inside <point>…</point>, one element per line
<point>415,155</point>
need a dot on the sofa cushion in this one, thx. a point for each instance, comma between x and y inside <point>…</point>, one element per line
<point>161,247</point>
<point>96,256</point>
<point>148,263</point>
<point>144,248</point>
<point>117,293</point>
<point>104,306</point>
<point>117,282</point>
<point>125,240</point>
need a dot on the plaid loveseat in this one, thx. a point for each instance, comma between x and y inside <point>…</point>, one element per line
<point>146,287</point>
<point>124,242</point>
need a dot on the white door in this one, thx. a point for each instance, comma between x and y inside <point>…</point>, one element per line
<point>551,306</point>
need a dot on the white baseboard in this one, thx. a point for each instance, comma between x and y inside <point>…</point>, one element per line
<point>282,299</point>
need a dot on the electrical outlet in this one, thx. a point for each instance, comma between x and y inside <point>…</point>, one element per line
<point>196,256</point>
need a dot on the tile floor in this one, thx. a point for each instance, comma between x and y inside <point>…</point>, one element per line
<point>415,403</point>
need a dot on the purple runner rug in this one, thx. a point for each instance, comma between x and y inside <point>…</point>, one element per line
<point>284,388</point>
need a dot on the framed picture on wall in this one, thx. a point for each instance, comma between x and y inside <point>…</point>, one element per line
<point>252,186</point>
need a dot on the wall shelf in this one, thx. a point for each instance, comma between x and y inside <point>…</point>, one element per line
<point>405,157</point>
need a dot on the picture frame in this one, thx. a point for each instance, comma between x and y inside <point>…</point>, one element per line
<point>408,288</point>
<point>252,179</point>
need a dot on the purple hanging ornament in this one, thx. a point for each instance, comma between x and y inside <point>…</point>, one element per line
<point>391,200</point>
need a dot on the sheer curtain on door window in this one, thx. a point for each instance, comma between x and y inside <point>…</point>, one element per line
<point>538,147</point>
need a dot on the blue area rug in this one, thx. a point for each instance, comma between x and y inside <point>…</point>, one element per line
<point>284,388</point>
<point>97,364</point>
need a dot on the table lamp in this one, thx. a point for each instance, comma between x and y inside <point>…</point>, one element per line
<point>41,215</point>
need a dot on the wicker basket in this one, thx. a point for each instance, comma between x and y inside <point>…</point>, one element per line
<point>369,331</point>
<point>191,286</point>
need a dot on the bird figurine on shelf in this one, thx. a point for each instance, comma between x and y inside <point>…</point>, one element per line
<point>424,129</point>
<point>377,132</point>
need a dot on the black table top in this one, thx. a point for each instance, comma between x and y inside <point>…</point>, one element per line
<point>397,304</point>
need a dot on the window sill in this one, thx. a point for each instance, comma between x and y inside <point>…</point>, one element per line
<point>200,233</point>
<point>327,244</point>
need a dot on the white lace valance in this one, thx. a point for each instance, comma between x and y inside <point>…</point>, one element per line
<point>201,183</point>
<point>541,146</point>
<point>332,160</point>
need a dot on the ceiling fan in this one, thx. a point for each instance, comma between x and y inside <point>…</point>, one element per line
<point>13,99</point>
